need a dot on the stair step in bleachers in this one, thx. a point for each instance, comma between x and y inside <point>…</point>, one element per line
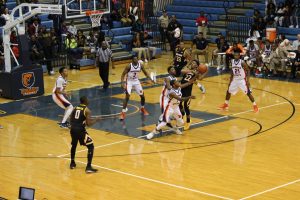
<point>11,5</point>
<point>201,3</point>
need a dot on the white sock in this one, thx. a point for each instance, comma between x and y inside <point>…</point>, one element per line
<point>226,102</point>
<point>161,125</point>
<point>124,110</point>
<point>67,114</point>
<point>199,85</point>
<point>254,103</point>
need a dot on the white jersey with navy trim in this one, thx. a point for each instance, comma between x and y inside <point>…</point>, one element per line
<point>60,83</point>
<point>267,51</point>
<point>238,70</point>
<point>172,101</point>
<point>134,71</point>
<point>253,51</point>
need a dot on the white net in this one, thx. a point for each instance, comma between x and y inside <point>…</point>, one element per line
<point>96,19</point>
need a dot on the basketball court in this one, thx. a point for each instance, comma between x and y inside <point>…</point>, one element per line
<point>235,154</point>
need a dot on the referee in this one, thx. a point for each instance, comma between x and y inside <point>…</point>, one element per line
<point>102,61</point>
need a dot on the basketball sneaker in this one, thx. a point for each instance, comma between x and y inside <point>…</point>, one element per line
<point>63,125</point>
<point>203,90</point>
<point>177,131</point>
<point>90,170</point>
<point>224,107</point>
<point>255,108</point>
<point>122,116</point>
<point>72,165</point>
<point>187,126</point>
<point>144,111</point>
<point>150,135</point>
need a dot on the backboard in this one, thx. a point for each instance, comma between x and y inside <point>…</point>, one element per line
<point>78,8</point>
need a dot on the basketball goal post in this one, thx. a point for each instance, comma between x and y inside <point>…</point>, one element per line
<point>19,23</point>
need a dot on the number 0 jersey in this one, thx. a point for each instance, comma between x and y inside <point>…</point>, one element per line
<point>78,117</point>
<point>238,70</point>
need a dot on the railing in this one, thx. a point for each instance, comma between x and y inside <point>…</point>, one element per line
<point>151,25</point>
<point>237,28</point>
<point>159,5</point>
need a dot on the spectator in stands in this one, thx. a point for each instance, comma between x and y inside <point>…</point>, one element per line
<point>34,28</point>
<point>280,14</point>
<point>201,47</point>
<point>6,15</point>
<point>163,22</point>
<point>55,41</point>
<point>36,49</point>
<point>217,41</point>
<point>72,28</point>
<point>253,54</point>
<point>266,52</point>
<point>46,42</point>
<point>296,43</point>
<point>234,48</point>
<point>270,13</point>
<point>296,63</point>
<point>64,28</point>
<point>222,48</point>
<point>13,37</point>
<point>261,26</point>
<point>125,19</point>
<point>295,14</point>
<point>72,47</point>
<point>81,39</point>
<point>139,49</point>
<point>174,33</point>
<point>256,15</point>
<point>201,23</point>
<point>276,60</point>
<point>138,27</point>
<point>103,58</point>
<point>133,12</point>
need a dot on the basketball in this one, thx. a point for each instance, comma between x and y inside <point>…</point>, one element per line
<point>202,68</point>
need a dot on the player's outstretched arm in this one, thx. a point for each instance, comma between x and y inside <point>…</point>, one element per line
<point>89,120</point>
<point>146,73</point>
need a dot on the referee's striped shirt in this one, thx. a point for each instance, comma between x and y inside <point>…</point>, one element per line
<point>104,55</point>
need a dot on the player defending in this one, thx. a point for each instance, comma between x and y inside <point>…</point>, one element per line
<point>59,96</point>
<point>163,100</point>
<point>188,74</point>
<point>172,110</point>
<point>239,79</point>
<point>80,117</point>
<point>132,81</point>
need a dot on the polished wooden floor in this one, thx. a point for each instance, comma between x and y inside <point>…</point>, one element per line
<point>235,155</point>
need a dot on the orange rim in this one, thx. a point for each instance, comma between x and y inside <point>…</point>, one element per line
<point>93,12</point>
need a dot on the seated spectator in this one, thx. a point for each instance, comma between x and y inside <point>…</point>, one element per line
<point>201,47</point>
<point>296,43</point>
<point>266,52</point>
<point>138,27</point>
<point>13,37</point>
<point>270,12</point>
<point>215,51</point>
<point>72,28</point>
<point>133,12</point>
<point>34,28</point>
<point>147,43</point>
<point>125,19</point>
<point>295,13</point>
<point>253,54</point>
<point>296,63</point>
<point>139,49</point>
<point>277,60</point>
<point>280,14</point>
<point>81,39</point>
<point>202,23</point>
<point>72,47</point>
<point>234,48</point>
<point>36,50</point>
<point>286,45</point>
<point>222,48</point>
<point>256,15</point>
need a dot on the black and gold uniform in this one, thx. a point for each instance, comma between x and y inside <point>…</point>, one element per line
<point>186,92</point>
<point>180,61</point>
<point>78,131</point>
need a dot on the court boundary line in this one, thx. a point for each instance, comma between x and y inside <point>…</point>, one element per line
<point>196,123</point>
<point>155,181</point>
<point>271,189</point>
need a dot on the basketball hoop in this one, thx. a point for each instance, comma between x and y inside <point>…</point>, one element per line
<point>95,16</point>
